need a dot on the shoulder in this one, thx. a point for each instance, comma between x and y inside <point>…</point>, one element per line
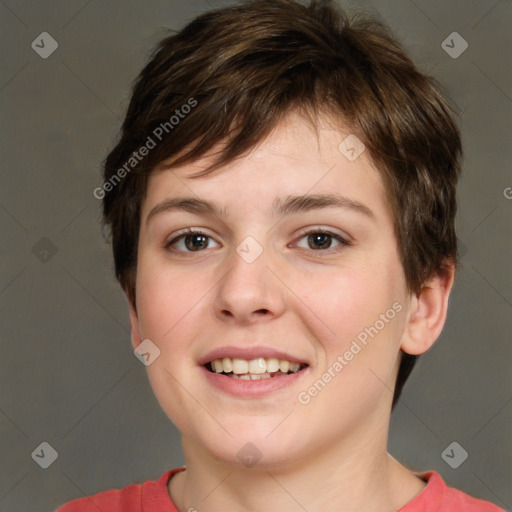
<point>438,497</point>
<point>458,500</point>
<point>129,499</point>
<point>126,500</point>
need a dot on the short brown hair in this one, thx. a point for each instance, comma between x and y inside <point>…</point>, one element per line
<point>246,66</point>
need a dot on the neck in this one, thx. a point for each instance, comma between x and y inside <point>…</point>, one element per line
<point>351,476</point>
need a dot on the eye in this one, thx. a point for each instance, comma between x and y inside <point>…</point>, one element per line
<point>320,240</point>
<point>193,240</point>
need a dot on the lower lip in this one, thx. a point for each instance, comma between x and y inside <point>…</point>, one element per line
<point>252,388</point>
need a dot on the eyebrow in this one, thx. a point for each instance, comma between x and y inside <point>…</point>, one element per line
<point>281,207</point>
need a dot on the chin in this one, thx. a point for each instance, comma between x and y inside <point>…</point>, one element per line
<point>253,450</point>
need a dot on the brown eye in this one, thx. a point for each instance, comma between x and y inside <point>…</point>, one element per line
<point>189,241</point>
<point>195,242</point>
<point>320,240</point>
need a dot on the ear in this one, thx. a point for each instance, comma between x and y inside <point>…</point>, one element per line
<point>427,312</point>
<point>134,325</point>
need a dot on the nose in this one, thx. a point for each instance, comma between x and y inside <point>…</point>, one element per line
<point>250,291</point>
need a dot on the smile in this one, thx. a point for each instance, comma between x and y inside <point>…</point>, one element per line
<point>254,369</point>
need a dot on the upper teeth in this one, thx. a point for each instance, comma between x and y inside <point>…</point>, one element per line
<point>255,366</point>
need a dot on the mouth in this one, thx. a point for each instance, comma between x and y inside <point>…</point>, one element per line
<point>254,369</point>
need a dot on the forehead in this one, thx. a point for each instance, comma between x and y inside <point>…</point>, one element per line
<point>295,159</point>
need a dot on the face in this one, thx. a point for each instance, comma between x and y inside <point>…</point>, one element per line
<point>305,281</point>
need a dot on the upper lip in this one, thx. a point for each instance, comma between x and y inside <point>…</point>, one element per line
<point>248,353</point>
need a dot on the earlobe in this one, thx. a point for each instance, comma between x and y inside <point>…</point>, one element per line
<point>427,314</point>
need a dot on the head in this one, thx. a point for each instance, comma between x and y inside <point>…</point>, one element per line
<point>249,104</point>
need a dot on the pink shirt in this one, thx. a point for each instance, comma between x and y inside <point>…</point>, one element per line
<point>152,496</point>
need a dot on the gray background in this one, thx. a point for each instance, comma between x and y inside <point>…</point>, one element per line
<point>67,372</point>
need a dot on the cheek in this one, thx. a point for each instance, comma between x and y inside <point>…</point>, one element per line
<point>165,298</point>
<point>344,301</point>
<point>356,365</point>
<point>171,314</point>
<point>362,304</point>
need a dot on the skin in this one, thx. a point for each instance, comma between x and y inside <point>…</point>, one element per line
<point>298,298</point>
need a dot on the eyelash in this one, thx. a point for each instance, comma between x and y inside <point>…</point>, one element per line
<point>314,231</point>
